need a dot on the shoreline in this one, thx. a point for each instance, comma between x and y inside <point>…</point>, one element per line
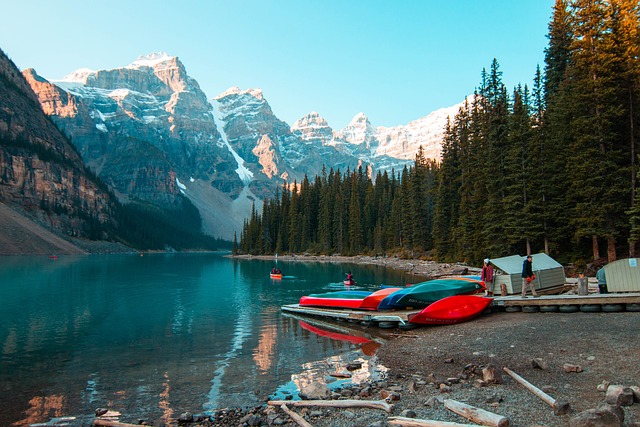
<point>424,268</point>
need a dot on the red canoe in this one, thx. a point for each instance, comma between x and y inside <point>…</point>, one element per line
<point>450,310</point>
<point>275,276</point>
<point>372,301</point>
<point>338,299</point>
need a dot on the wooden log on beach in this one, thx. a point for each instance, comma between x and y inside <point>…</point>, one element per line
<point>374,404</point>
<point>417,422</point>
<point>477,415</point>
<point>295,417</point>
<point>109,423</point>
<point>559,407</point>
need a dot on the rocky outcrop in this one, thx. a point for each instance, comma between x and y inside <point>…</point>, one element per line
<point>41,173</point>
<point>148,130</point>
<point>140,127</point>
<point>256,135</point>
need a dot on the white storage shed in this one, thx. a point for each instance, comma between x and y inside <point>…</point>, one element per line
<point>508,271</point>
<point>623,275</point>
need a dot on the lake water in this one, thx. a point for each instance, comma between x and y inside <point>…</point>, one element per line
<point>156,335</point>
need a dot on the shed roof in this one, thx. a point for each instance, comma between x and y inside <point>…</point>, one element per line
<point>513,264</point>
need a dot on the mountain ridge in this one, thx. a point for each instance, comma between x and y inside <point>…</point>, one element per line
<point>150,132</point>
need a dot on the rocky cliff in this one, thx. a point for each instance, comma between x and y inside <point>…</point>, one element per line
<point>41,173</point>
<point>148,130</point>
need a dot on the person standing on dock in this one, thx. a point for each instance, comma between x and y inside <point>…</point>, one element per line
<point>602,281</point>
<point>527,277</point>
<point>487,277</point>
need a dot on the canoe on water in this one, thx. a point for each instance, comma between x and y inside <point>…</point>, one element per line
<point>338,299</point>
<point>275,275</point>
<point>425,293</point>
<point>349,282</point>
<point>450,310</point>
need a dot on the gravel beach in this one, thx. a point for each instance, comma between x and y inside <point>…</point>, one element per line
<point>429,364</point>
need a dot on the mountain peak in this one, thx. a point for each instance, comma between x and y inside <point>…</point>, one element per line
<point>359,119</point>
<point>235,90</point>
<point>78,76</point>
<point>151,60</point>
<point>309,119</point>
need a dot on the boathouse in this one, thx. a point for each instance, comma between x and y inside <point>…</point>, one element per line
<point>623,275</point>
<point>508,271</point>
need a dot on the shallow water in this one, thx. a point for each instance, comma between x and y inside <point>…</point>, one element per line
<point>157,335</point>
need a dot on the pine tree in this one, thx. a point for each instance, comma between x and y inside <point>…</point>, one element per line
<point>447,194</point>
<point>598,190</point>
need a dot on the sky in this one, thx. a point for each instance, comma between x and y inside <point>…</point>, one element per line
<point>394,60</point>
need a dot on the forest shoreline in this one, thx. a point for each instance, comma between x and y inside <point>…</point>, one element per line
<point>426,269</point>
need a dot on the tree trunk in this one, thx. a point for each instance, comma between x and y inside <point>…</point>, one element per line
<point>546,245</point>
<point>611,248</point>
<point>594,245</point>
<point>477,415</point>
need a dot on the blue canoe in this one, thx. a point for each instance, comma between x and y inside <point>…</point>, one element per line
<point>425,293</point>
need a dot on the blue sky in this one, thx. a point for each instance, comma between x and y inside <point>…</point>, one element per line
<point>395,61</point>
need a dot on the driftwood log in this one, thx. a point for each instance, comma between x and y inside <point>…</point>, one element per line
<point>374,404</point>
<point>109,423</point>
<point>416,422</point>
<point>477,415</point>
<point>559,407</point>
<point>295,417</point>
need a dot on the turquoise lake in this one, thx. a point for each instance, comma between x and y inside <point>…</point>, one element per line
<point>154,336</point>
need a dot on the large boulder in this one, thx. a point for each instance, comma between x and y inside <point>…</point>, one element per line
<point>603,416</point>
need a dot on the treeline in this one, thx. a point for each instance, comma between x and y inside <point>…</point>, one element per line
<point>348,214</point>
<point>145,226</point>
<point>549,168</point>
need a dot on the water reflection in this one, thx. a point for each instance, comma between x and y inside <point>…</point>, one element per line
<point>151,337</point>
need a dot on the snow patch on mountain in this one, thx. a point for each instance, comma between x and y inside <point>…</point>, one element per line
<point>402,142</point>
<point>78,76</point>
<point>245,174</point>
<point>151,60</point>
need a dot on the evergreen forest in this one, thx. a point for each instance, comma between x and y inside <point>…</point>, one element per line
<point>548,168</point>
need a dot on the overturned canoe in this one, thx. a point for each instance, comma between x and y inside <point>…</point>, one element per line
<point>338,299</point>
<point>450,310</point>
<point>372,301</point>
<point>425,293</point>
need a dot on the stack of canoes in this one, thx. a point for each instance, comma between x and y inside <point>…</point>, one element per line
<point>444,300</point>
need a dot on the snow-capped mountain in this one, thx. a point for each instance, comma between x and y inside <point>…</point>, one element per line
<point>149,131</point>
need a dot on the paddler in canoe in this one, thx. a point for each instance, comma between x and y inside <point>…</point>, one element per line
<point>349,280</point>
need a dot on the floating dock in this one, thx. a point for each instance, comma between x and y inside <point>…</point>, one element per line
<point>356,316</point>
<point>570,303</point>
<point>565,303</point>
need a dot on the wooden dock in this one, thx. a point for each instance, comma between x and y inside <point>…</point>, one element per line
<point>564,299</point>
<point>356,316</point>
<point>570,303</point>
<point>566,303</point>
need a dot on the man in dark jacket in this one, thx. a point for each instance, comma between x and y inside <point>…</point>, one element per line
<point>528,277</point>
